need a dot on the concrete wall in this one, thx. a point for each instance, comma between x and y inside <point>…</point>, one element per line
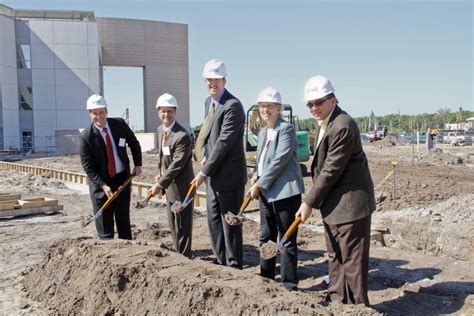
<point>161,48</point>
<point>9,110</point>
<point>65,72</point>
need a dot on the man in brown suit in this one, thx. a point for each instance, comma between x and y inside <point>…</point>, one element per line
<point>343,191</point>
<point>175,171</point>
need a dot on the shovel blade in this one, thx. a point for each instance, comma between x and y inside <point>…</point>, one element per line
<point>177,207</point>
<point>141,203</point>
<point>269,250</point>
<point>89,219</point>
<point>233,219</point>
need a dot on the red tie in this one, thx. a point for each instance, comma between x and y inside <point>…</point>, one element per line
<point>110,154</point>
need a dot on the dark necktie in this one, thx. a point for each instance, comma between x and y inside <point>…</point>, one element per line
<point>110,154</point>
<point>199,147</point>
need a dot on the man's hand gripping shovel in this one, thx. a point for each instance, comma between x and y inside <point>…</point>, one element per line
<point>109,201</point>
<point>144,202</point>
<point>178,206</point>
<point>233,219</point>
<point>271,249</point>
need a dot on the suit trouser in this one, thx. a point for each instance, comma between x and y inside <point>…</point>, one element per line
<point>119,209</point>
<point>226,240</point>
<point>275,219</point>
<point>348,251</point>
<point>181,227</point>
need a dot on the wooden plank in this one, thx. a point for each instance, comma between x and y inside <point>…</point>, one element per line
<point>7,205</point>
<point>30,211</point>
<point>10,197</point>
<point>8,152</point>
<point>37,202</point>
<point>200,199</point>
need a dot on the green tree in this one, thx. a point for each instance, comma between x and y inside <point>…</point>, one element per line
<point>443,115</point>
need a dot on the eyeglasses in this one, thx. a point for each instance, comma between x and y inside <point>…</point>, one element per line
<point>317,103</point>
<point>267,105</point>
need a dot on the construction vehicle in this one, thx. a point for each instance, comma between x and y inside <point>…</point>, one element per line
<point>254,123</point>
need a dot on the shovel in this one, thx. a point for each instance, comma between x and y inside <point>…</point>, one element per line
<point>178,206</point>
<point>109,201</point>
<point>270,249</point>
<point>233,219</point>
<point>144,202</point>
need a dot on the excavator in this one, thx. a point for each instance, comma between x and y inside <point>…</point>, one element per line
<point>253,125</point>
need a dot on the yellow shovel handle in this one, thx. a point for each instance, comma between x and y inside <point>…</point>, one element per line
<point>116,193</point>
<point>293,227</point>
<point>245,203</point>
<point>191,189</point>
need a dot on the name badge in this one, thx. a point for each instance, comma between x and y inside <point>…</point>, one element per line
<point>122,142</point>
<point>166,150</point>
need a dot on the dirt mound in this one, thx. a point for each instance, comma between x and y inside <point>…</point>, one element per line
<point>437,156</point>
<point>387,141</point>
<point>84,276</point>
<point>414,192</point>
<point>442,229</point>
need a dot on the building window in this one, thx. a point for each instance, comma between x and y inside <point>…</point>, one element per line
<point>24,57</point>
<point>27,140</point>
<point>25,97</point>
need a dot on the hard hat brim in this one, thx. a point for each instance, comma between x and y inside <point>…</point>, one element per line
<point>94,107</point>
<point>316,96</point>
<point>262,100</point>
<point>212,75</point>
<point>169,105</point>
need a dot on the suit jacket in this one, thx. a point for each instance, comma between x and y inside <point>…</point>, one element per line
<point>93,152</point>
<point>225,158</point>
<point>179,167</point>
<point>281,175</point>
<point>342,186</point>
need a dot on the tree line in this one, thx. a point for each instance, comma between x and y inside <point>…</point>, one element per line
<point>403,122</point>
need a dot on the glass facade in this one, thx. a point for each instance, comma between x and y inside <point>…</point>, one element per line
<point>24,57</point>
<point>25,97</point>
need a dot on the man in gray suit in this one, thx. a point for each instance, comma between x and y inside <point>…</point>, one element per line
<point>343,191</point>
<point>219,148</point>
<point>175,170</point>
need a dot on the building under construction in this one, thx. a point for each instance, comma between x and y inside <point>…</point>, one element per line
<point>51,62</point>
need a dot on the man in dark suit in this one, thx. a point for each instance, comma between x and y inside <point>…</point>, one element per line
<point>105,161</point>
<point>175,170</point>
<point>219,148</point>
<point>343,191</point>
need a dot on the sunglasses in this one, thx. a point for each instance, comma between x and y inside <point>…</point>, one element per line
<point>318,103</point>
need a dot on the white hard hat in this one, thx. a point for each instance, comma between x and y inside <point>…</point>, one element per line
<point>317,87</point>
<point>269,95</point>
<point>166,100</point>
<point>214,69</point>
<point>96,101</point>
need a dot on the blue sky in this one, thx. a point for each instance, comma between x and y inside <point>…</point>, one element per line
<point>385,56</point>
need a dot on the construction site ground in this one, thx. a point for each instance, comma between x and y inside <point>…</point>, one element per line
<point>421,258</point>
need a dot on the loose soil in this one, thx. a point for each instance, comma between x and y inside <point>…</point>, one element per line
<point>421,256</point>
